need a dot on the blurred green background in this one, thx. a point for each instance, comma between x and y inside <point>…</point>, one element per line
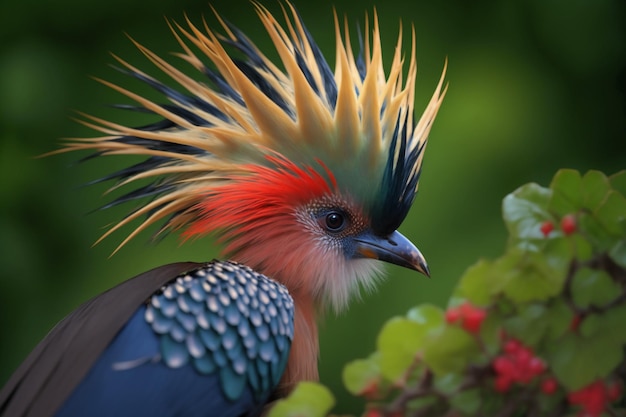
<point>535,85</point>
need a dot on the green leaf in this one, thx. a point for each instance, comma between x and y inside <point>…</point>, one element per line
<point>559,252</point>
<point>475,284</point>
<point>491,332</point>
<point>612,214</point>
<point>398,344</point>
<point>595,188</point>
<point>576,361</point>
<point>427,315</point>
<point>448,383</point>
<point>538,323</point>
<point>583,248</point>
<point>605,226</point>
<point>529,324</point>
<point>420,403</point>
<point>591,286</point>
<point>618,182</point>
<point>618,253</point>
<point>595,232</point>
<point>504,269</point>
<point>603,326</point>
<point>308,399</point>
<point>524,211</point>
<point>401,338</point>
<point>567,192</point>
<point>450,350</point>
<point>528,284</point>
<point>468,401</point>
<point>531,276</point>
<point>558,319</point>
<point>361,373</point>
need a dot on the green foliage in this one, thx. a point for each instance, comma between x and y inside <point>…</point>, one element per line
<point>537,331</point>
<point>402,337</point>
<point>307,400</point>
<point>449,350</point>
<point>362,374</point>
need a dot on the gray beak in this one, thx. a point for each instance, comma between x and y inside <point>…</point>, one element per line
<point>395,249</point>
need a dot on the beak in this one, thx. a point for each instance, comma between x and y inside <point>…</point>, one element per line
<point>395,249</point>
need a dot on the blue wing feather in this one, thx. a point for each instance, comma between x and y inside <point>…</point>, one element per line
<point>180,356</point>
<point>130,379</point>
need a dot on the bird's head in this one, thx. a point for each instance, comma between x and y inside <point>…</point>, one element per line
<point>305,174</point>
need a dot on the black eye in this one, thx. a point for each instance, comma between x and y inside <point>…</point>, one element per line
<point>335,221</point>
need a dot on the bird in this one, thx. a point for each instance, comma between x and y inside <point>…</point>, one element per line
<point>301,173</point>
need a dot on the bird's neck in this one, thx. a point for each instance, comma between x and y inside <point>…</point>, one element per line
<point>302,363</point>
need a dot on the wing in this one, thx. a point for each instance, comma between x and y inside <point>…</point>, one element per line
<point>212,341</point>
<point>60,361</point>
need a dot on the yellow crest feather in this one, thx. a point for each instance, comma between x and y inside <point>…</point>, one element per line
<point>356,120</point>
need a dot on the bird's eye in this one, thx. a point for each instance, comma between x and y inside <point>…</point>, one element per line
<point>335,221</point>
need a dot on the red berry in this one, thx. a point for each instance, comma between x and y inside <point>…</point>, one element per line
<point>568,224</point>
<point>503,365</point>
<point>549,386</point>
<point>512,346</point>
<point>453,315</point>
<point>546,228</point>
<point>596,402</point>
<point>536,366</point>
<point>592,398</point>
<point>502,383</point>
<point>523,355</point>
<point>473,322</point>
<point>472,317</point>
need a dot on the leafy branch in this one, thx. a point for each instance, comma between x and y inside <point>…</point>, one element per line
<point>535,332</point>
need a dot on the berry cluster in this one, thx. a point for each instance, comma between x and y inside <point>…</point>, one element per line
<point>568,225</point>
<point>469,316</point>
<point>594,398</point>
<point>518,364</point>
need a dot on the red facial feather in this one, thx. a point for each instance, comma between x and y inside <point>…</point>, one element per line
<point>259,200</point>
